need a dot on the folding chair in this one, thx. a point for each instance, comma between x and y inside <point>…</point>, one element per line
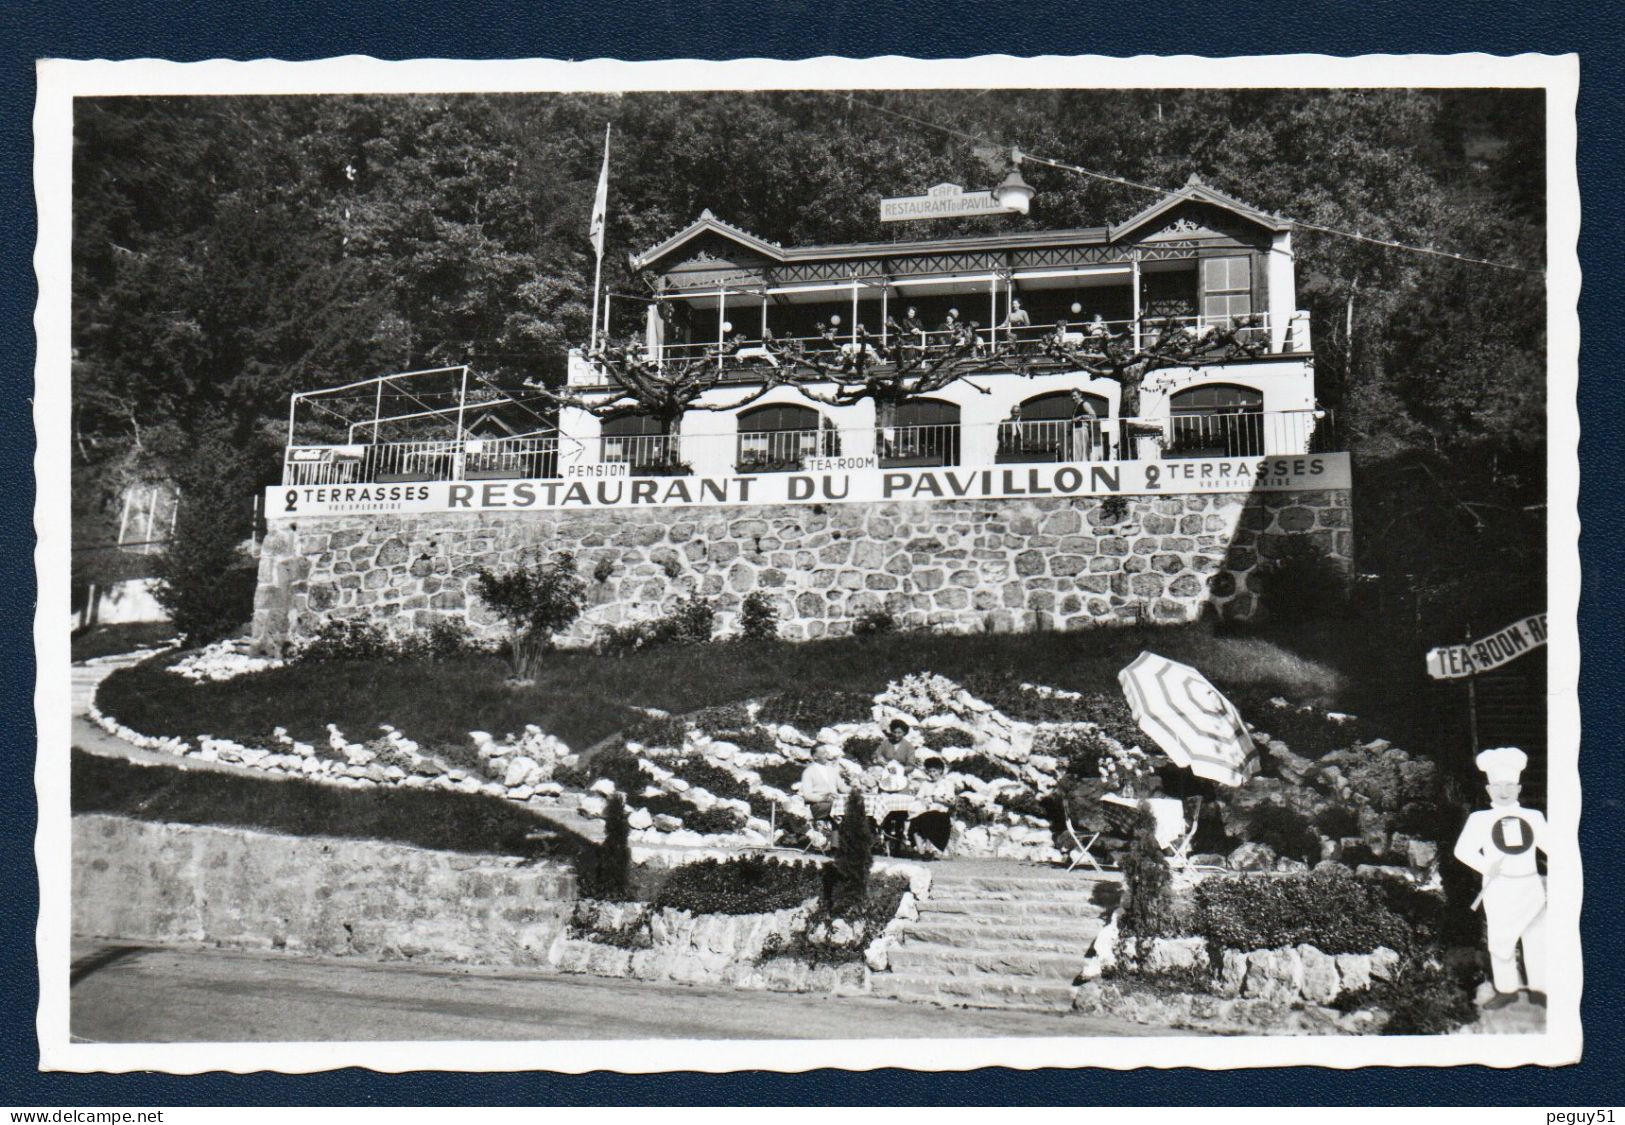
<point>1080,847</point>
<point>1180,856</point>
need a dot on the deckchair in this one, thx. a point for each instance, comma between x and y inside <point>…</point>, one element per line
<point>1080,847</point>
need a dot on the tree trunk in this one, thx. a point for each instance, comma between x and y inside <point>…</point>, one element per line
<point>529,650</point>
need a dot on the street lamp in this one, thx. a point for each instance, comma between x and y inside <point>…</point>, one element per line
<point>1014,193</point>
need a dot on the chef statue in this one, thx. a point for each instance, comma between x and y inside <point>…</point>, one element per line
<point>1500,843</point>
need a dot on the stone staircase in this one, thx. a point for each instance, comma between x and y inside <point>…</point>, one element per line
<point>998,934</point>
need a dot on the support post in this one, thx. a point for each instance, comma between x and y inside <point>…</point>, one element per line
<point>377,410</point>
<point>722,318</point>
<point>885,292</point>
<point>1135,283</point>
<point>1472,700</point>
<point>853,327</point>
<point>597,277</point>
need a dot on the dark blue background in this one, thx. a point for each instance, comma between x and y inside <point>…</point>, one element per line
<point>709,29</point>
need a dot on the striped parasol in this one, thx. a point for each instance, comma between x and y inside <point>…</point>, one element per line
<point>1186,716</point>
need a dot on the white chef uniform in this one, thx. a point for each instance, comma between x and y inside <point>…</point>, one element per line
<point>1514,893</point>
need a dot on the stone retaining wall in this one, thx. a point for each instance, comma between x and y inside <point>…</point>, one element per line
<point>239,889</point>
<point>957,565</point>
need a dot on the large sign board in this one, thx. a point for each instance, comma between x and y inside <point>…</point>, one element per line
<point>1004,482</point>
<point>945,201</point>
<point>1454,662</point>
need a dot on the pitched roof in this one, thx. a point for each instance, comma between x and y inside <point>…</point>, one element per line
<point>1195,191</point>
<point>708,223</point>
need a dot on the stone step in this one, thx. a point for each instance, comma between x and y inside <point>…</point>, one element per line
<point>1059,936</point>
<point>1062,884</point>
<point>988,962</point>
<point>975,992</point>
<point>1011,912</point>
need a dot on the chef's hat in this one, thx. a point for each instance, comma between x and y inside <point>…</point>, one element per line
<point>1503,764</point>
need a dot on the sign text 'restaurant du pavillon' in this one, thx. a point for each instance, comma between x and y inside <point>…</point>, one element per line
<point>944,201</point>
<point>1003,482</point>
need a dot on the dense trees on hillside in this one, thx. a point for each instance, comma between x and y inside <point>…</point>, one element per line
<point>228,251</point>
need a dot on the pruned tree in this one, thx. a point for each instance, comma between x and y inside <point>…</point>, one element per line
<point>889,371</point>
<point>641,385</point>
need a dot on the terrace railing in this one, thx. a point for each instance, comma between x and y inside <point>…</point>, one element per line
<point>1239,433</point>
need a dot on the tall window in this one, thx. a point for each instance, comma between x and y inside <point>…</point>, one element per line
<point>636,440</point>
<point>1059,426</point>
<point>926,433</point>
<point>1227,289</point>
<point>779,439</point>
<point>1217,420</point>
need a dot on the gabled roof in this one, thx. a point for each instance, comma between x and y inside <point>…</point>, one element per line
<point>1195,191</point>
<point>708,223</point>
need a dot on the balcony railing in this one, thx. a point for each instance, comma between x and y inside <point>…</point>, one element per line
<point>1239,433</point>
<point>740,355</point>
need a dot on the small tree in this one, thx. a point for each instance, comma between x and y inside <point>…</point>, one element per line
<point>758,620</point>
<point>612,871</point>
<point>1147,880</point>
<point>205,581</point>
<point>537,601</point>
<point>847,882</point>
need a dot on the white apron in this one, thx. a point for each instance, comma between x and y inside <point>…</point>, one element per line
<point>1511,903</point>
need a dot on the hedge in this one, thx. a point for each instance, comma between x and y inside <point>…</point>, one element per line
<point>742,885</point>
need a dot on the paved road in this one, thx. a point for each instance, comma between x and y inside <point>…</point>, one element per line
<point>164,994</point>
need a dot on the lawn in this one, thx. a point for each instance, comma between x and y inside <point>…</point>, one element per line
<point>460,822</point>
<point>583,697</point>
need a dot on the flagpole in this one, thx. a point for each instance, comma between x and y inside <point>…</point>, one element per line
<point>600,219</point>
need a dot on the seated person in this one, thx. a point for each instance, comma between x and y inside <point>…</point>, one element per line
<point>821,784</point>
<point>1097,329</point>
<point>935,796</point>
<point>900,745</point>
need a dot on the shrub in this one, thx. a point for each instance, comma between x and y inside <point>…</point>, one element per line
<point>942,738</point>
<point>1337,822</point>
<point>1421,999</point>
<point>1286,830</point>
<point>983,767</point>
<point>874,623</point>
<point>691,621</point>
<point>707,775</point>
<point>1429,821</point>
<point>723,718</point>
<point>1081,749</point>
<point>1147,881</point>
<point>537,600</point>
<point>666,731</point>
<point>354,639</point>
<point>867,921</point>
<point>446,638</point>
<point>607,871</point>
<point>813,709</point>
<point>1335,911</point>
<point>741,885</point>
<point>846,881</point>
<point>1304,583</point>
<point>758,619</point>
<point>861,749</point>
<point>205,581</point>
<point>782,775</point>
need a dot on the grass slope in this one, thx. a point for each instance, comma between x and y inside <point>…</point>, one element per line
<point>459,822</point>
<point>582,697</point>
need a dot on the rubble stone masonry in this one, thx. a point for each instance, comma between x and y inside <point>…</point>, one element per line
<point>957,565</point>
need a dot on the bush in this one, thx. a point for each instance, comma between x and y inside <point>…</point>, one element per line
<point>1421,999</point>
<point>1306,730</point>
<point>1335,911</point>
<point>874,623</point>
<point>607,870</point>
<point>1286,830</point>
<point>665,731</point>
<point>362,638</point>
<point>537,600</point>
<point>861,749</point>
<point>741,885</point>
<point>812,709</point>
<point>1082,750</point>
<point>758,620</point>
<point>983,767</point>
<point>1337,822</point>
<point>867,921</point>
<point>707,775</point>
<point>723,718</point>
<point>205,581</point>
<point>1303,584</point>
<point>943,738</point>
<point>783,775</point>
<point>690,622</point>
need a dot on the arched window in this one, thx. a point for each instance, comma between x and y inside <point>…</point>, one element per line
<point>1217,420</point>
<point>926,433</point>
<point>1059,426</point>
<point>778,439</point>
<point>638,440</point>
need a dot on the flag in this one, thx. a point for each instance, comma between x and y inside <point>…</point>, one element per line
<point>600,203</point>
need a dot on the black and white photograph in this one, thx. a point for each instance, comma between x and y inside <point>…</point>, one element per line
<point>842,563</point>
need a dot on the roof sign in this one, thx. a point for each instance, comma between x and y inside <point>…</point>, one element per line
<point>941,202</point>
